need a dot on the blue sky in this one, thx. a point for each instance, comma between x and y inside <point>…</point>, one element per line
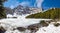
<point>45,4</point>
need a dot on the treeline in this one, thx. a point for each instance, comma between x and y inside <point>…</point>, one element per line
<point>53,13</point>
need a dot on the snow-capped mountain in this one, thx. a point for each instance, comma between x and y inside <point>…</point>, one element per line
<point>26,10</point>
<point>21,10</point>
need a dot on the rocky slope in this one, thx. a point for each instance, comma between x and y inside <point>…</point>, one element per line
<point>21,10</point>
<point>8,10</point>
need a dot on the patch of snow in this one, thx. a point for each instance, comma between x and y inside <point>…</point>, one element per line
<point>49,29</point>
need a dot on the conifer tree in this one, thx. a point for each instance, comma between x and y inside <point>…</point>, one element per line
<point>2,10</point>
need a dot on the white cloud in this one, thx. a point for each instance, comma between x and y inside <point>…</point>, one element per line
<point>39,3</point>
<point>25,3</point>
<point>11,6</point>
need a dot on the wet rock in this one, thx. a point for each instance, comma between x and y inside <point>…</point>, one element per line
<point>48,21</point>
<point>43,24</point>
<point>33,28</point>
<point>21,28</point>
<point>56,24</point>
<point>14,29</point>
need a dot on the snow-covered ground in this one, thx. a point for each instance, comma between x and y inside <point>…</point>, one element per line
<point>21,21</point>
<point>50,29</point>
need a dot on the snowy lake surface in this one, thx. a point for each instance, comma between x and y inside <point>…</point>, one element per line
<point>20,21</point>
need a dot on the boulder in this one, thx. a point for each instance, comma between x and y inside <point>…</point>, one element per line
<point>33,28</point>
<point>2,30</point>
<point>21,28</point>
<point>43,24</point>
<point>56,24</point>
